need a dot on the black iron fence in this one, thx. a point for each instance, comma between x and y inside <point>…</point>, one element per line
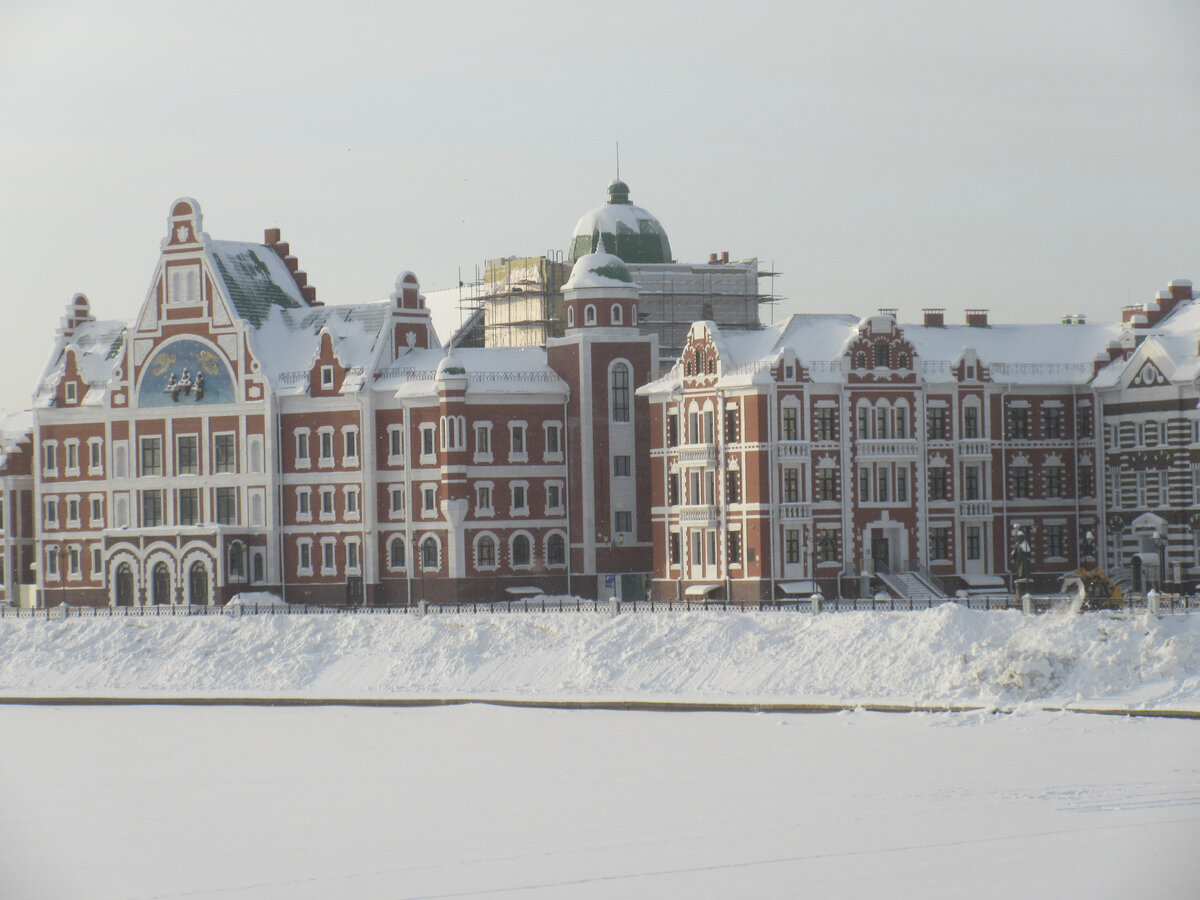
<point>1168,604</point>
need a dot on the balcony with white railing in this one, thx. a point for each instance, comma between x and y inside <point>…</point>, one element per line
<point>905,448</point>
<point>793,449</point>
<point>975,447</point>
<point>795,511</point>
<point>975,509</point>
<point>699,515</point>
<point>691,454</point>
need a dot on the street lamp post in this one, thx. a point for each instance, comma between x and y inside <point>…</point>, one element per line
<point>1160,543</point>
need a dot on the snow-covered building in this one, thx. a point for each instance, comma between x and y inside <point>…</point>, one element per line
<point>852,454</point>
<point>240,435</point>
<point>16,507</point>
<point>1150,463</point>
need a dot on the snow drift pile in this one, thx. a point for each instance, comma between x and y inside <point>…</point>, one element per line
<point>945,655</point>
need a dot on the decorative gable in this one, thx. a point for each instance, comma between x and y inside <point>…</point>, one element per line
<point>1149,375</point>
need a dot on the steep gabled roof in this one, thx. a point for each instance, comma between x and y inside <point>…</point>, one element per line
<point>255,279</point>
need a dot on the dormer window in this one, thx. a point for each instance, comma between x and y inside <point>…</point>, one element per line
<point>70,391</point>
<point>327,377</point>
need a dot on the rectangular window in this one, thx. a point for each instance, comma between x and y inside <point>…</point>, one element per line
<point>328,562</point>
<point>791,423</point>
<point>623,522</point>
<point>621,466</point>
<point>1054,481</point>
<point>937,483</point>
<point>1087,481</point>
<point>327,377</point>
<point>901,485</point>
<point>1056,541</point>
<point>1018,423</point>
<point>73,561</point>
<point>733,486</point>
<point>187,454</point>
<point>673,430</point>
<point>733,430</point>
<point>72,457</point>
<point>97,512</point>
<point>733,548</point>
<point>327,509</point>
<point>553,497</point>
<point>483,498</point>
<point>1020,482</point>
<point>325,436</point>
<point>935,423</point>
<point>428,442</point>
<point>189,506</point>
<point>302,458</point>
<point>552,440</point>
<point>50,457</point>
<point>226,506</point>
<point>1052,423</point>
<point>52,561</point>
<point>708,427</point>
<point>303,502</point>
<point>974,542</point>
<point>151,456</point>
<point>883,486</point>
<point>351,554</point>
<point>710,487</point>
<point>826,484</point>
<point>518,498</point>
<point>972,485</point>
<point>73,511</point>
<point>396,498</point>
<point>694,496</point>
<point>95,455</point>
<point>97,563</point>
<point>791,485</point>
<point>351,501</point>
<point>152,509</point>
<point>304,563</point>
<point>351,442</point>
<point>673,489</point>
<point>483,439</point>
<point>224,454</point>
<point>429,500</point>
<point>939,543</point>
<point>517,434</point>
<point>971,422</point>
<point>864,485</point>
<point>825,423</point>
<point>791,545</point>
<point>395,442</point>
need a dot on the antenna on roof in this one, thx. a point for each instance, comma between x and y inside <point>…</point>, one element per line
<point>618,160</point>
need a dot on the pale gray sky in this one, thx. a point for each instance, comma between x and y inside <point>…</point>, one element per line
<point>1032,157</point>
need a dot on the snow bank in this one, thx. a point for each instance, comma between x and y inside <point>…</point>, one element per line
<point>945,655</point>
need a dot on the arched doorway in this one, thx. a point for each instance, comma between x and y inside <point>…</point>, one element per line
<point>198,585</point>
<point>160,584</point>
<point>124,585</point>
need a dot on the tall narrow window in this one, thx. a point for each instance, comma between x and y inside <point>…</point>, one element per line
<point>620,392</point>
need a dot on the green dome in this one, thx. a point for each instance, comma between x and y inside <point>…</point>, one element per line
<point>622,229</point>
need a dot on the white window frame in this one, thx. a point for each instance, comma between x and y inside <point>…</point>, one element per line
<point>303,436</point>
<point>95,456</point>
<point>70,392</point>
<point>73,521</point>
<point>352,502</point>
<point>49,459</point>
<point>557,429</point>
<point>495,563</point>
<point>303,544</point>
<point>50,511</point>
<point>429,511</point>
<point>518,427</point>
<point>350,443</point>
<point>304,512</point>
<point>327,491</point>
<point>256,453</point>
<point>395,439</point>
<point>96,511</point>
<point>323,461</point>
<point>616,316</point>
<point>178,438</point>
<point>327,379</point>
<point>71,450</point>
<point>559,508</point>
<point>421,552</point>
<point>397,510</point>
<point>388,549</point>
<point>514,510</point>
<point>353,555</point>
<point>617,516</point>
<point>512,541</point>
<point>484,428</point>
<point>428,457</point>
<point>328,556</point>
<point>97,569</point>
<point>481,510</point>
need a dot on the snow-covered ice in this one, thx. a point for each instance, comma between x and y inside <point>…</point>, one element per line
<point>478,801</point>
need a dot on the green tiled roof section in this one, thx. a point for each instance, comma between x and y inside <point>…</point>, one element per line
<point>117,344</point>
<point>251,288</point>
<point>370,316</point>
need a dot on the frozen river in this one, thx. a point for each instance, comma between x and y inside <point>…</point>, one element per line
<point>476,801</point>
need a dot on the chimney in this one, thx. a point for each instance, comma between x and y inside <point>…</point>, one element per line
<point>293,264</point>
<point>977,318</point>
<point>301,279</point>
<point>1181,289</point>
<point>934,317</point>
<point>271,237</point>
<point>887,311</point>
<point>725,257</point>
<point>712,259</point>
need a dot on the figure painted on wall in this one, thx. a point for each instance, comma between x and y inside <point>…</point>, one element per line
<point>168,376</point>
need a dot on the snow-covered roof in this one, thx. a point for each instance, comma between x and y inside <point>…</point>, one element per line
<point>256,280</point>
<point>599,270</point>
<point>15,427</point>
<point>622,228</point>
<point>489,370</point>
<point>97,346</point>
<point>288,340</point>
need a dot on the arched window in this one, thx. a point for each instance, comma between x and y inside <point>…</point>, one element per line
<point>556,551</point>
<point>620,392</point>
<point>520,551</point>
<point>570,317</point>
<point>124,585</point>
<point>589,315</point>
<point>616,314</point>
<point>198,584</point>
<point>258,569</point>
<point>485,552</point>
<point>396,553</point>
<point>161,584</point>
<point>429,553</point>
<point>860,360</point>
<point>237,560</point>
